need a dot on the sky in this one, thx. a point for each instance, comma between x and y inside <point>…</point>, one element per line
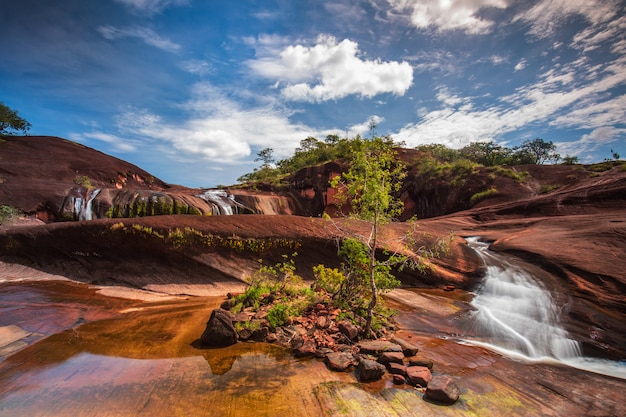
<point>192,90</point>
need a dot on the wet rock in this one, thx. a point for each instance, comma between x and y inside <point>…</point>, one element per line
<point>369,370</point>
<point>408,348</point>
<point>306,348</point>
<point>442,389</point>
<point>399,379</point>
<point>376,347</point>
<point>421,361</point>
<point>390,357</point>
<point>340,361</point>
<point>259,335</point>
<point>396,368</point>
<point>418,375</point>
<point>348,329</point>
<point>219,329</point>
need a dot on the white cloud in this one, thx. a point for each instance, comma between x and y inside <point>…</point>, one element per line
<point>447,15</point>
<point>590,142</point>
<point>548,15</point>
<point>116,142</point>
<point>145,34</point>
<point>150,6</point>
<point>572,96</point>
<point>520,65</point>
<point>219,129</point>
<point>331,70</point>
<point>364,128</point>
<point>197,67</point>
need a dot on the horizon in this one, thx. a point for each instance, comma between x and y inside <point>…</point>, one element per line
<point>191,91</point>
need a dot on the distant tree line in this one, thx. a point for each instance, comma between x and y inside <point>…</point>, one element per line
<point>313,151</point>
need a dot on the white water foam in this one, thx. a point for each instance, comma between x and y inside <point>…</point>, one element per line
<point>517,317</point>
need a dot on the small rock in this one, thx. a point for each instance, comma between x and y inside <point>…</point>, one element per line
<point>369,370</point>
<point>271,338</point>
<point>259,335</point>
<point>375,347</point>
<point>322,322</point>
<point>396,368</point>
<point>418,375</point>
<point>421,361</point>
<point>443,390</point>
<point>408,348</point>
<point>349,329</point>
<point>307,348</point>
<point>399,379</point>
<point>219,329</point>
<point>388,357</point>
<point>340,361</point>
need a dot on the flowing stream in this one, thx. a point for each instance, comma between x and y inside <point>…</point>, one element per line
<point>517,316</point>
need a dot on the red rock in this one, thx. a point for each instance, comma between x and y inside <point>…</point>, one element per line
<point>340,361</point>
<point>396,368</point>
<point>442,389</point>
<point>388,357</point>
<point>418,375</point>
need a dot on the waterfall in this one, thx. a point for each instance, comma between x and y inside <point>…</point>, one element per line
<point>82,206</point>
<point>87,212</point>
<point>221,200</point>
<point>516,316</point>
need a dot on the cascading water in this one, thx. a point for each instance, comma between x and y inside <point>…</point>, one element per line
<point>517,313</point>
<point>82,206</point>
<point>221,200</point>
<point>517,316</point>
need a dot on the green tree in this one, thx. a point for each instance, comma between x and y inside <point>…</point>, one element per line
<point>266,156</point>
<point>11,122</point>
<point>539,151</point>
<point>369,185</point>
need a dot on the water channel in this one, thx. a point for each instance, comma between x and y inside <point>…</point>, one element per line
<point>518,316</point>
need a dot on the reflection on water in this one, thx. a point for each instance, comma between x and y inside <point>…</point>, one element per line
<point>258,383</point>
<point>143,363</point>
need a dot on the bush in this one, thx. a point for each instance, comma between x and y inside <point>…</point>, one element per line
<point>483,194</point>
<point>8,214</point>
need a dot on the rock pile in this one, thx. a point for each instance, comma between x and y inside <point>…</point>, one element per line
<point>320,334</point>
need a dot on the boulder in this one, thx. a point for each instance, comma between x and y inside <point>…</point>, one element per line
<point>389,357</point>
<point>369,370</point>
<point>348,329</point>
<point>376,347</point>
<point>442,389</point>
<point>306,348</point>
<point>421,361</point>
<point>340,361</point>
<point>408,348</point>
<point>418,375</point>
<point>219,330</point>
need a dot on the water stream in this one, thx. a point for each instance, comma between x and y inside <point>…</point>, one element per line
<point>517,316</point>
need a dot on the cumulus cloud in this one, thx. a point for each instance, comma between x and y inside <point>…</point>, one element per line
<point>546,16</point>
<point>150,7</point>
<point>145,34</point>
<point>219,128</point>
<point>331,70</point>
<point>447,15</point>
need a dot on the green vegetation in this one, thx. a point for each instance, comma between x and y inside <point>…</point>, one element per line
<point>11,122</point>
<point>8,214</point>
<point>483,194</point>
<point>548,188</point>
<point>189,236</point>
<point>83,181</point>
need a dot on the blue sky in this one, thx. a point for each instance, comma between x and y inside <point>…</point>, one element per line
<point>191,90</point>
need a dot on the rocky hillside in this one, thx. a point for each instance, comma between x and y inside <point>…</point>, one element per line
<point>569,220</point>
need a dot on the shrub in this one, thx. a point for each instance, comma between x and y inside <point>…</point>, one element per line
<point>483,194</point>
<point>8,214</point>
<point>277,315</point>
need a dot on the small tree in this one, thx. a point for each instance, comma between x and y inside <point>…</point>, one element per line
<point>539,150</point>
<point>369,185</point>
<point>11,122</point>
